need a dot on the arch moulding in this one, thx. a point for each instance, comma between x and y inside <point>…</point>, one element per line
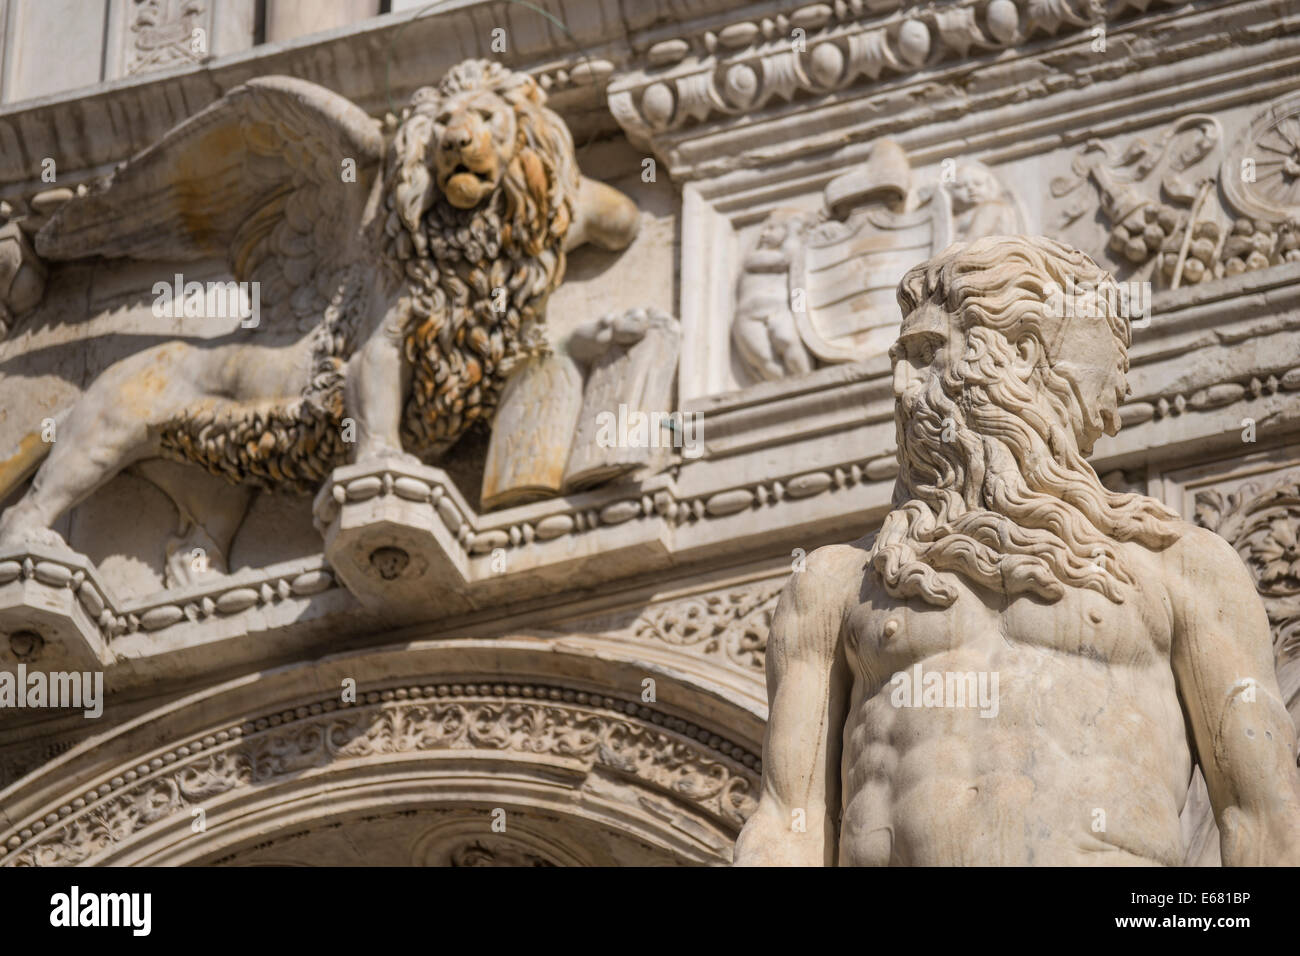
<point>559,739</point>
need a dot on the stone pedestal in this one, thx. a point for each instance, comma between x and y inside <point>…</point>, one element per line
<point>391,532</point>
<point>51,603</point>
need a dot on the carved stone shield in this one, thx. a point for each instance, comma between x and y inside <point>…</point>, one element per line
<point>844,276</point>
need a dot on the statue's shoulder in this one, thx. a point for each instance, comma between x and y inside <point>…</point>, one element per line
<point>830,578</point>
<point>845,563</point>
<point>1204,559</point>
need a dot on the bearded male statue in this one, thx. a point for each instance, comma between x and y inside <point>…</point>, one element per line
<point>1123,644</point>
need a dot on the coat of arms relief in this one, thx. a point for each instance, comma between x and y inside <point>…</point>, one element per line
<point>817,287</point>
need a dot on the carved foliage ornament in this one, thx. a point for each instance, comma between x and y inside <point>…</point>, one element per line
<point>1182,211</point>
<point>733,623</point>
<point>1261,519</point>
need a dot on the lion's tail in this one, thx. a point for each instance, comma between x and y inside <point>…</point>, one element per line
<point>20,465</point>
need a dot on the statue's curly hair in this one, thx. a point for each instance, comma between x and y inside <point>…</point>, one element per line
<point>472,285</point>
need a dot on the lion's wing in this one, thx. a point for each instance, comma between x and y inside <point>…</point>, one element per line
<point>256,177</point>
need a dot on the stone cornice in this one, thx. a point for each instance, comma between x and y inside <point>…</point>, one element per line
<point>622,50</point>
<point>88,130</point>
<point>763,104</point>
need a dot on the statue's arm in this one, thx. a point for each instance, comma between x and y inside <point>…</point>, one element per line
<point>1222,658</point>
<point>796,821</point>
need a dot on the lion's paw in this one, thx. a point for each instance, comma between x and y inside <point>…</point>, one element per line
<point>42,537</point>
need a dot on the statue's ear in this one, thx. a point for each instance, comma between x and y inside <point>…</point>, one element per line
<point>1029,355</point>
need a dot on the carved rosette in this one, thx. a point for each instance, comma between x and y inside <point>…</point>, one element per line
<point>1261,173</point>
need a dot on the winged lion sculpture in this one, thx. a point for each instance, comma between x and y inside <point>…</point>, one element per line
<point>417,286</point>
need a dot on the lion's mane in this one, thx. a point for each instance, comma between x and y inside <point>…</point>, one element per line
<point>460,344</point>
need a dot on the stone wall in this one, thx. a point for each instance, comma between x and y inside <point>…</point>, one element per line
<point>1158,137</point>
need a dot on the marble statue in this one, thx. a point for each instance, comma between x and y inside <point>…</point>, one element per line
<point>1021,667</point>
<point>418,281</point>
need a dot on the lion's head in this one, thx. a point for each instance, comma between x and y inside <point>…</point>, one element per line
<point>484,137</point>
<point>1000,392</point>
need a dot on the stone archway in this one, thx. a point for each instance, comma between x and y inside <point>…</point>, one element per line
<point>443,738</point>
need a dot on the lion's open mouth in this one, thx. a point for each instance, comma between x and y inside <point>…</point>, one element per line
<point>461,168</point>
<point>465,187</point>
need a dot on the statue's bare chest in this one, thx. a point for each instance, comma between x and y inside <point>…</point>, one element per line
<point>884,635</point>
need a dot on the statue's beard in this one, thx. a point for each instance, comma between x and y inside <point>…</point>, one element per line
<point>1005,501</point>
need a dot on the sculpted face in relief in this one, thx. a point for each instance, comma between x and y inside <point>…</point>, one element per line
<point>1118,640</point>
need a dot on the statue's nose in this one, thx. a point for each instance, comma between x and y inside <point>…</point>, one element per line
<point>902,377</point>
<point>457,137</point>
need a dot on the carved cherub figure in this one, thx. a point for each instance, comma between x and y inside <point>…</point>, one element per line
<point>981,206</point>
<point>1121,645</point>
<point>764,330</point>
<point>419,270</point>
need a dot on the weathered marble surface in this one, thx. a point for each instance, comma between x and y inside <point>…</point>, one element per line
<point>420,268</point>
